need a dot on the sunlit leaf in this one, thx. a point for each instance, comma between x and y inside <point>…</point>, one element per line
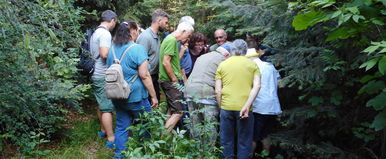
<point>303,21</point>
<point>369,64</point>
<point>336,13</point>
<point>371,49</point>
<point>353,10</point>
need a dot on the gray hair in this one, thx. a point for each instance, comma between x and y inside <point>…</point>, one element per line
<point>157,14</point>
<point>222,31</point>
<point>185,26</point>
<point>240,47</point>
<point>188,19</point>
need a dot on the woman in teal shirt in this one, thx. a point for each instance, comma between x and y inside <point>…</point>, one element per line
<point>134,63</point>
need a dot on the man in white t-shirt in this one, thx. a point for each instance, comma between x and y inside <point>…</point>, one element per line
<point>100,43</point>
<point>266,105</point>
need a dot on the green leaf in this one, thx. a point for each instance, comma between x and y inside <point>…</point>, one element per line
<point>303,21</point>
<point>367,2</point>
<point>372,87</point>
<point>371,49</point>
<point>347,17</point>
<point>336,13</point>
<point>340,19</point>
<point>26,40</point>
<point>379,121</point>
<point>383,50</point>
<point>378,102</point>
<point>356,18</point>
<point>382,65</point>
<point>312,113</point>
<point>315,100</point>
<point>341,33</point>
<point>369,64</point>
<point>377,22</point>
<point>383,12</point>
<point>292,5</point>
<point>366,78</point>
<point>353,10</point>
<point>52,34</point>
<point>336,97</point>
<point>380,44</point>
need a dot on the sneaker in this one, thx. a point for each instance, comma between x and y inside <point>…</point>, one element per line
<point>102,134</point>
<point>110,145</point>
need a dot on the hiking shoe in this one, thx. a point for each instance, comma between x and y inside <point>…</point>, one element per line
<point>102,134</point>
<point>110,145</point>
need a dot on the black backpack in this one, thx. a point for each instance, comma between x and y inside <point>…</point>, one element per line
<point>87,62</point>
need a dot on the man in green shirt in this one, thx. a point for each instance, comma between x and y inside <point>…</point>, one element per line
<point>170,75</point>
<point>237,84</point>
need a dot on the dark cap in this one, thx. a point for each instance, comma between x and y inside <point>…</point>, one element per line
<point>108,15</point>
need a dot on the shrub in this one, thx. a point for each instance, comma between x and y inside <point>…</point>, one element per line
<point>162,144</point>
<point>38,43</point>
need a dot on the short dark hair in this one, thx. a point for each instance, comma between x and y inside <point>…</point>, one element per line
<point>108,15</point>
<point>253,44</point>
<point>196,37</point>
<point>158,13</point>
<point>122,35</point>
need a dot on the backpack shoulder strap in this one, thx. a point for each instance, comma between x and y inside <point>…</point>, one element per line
<point>89,39</point>
<point>127,50</point>
<point>115,56</point>
<point>135,78</point>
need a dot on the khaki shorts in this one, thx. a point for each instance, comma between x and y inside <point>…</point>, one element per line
<point>105,104</point>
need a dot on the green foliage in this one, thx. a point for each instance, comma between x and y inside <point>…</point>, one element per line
<point>163,144</point>
<point>364,132</point>
<point>352,26</point>
<point>38,41</point>
<point>303,21</point>
<point>318,45</point>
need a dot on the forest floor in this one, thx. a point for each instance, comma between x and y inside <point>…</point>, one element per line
<point>81,138</point>
<point>78,140</point>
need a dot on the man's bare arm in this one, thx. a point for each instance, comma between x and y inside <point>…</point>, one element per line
<point>103,52</point>
<point>168,68</point>
<point>218,88</point>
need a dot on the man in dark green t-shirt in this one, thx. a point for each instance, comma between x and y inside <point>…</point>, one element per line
<point>170,72</point>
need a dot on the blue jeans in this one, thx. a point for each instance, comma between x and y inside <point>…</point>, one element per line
<point>233,129</point>
<point>126,114</point>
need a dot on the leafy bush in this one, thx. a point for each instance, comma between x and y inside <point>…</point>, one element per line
<point>163,144</point>
<point>38,43</point>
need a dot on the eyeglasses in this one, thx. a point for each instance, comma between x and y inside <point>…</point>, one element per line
<point>219,37</point>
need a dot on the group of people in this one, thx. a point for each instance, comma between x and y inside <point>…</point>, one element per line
<point>226,82</point>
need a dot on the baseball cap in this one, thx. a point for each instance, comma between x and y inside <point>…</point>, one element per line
<point>108,15</point>
<point>224,48</point>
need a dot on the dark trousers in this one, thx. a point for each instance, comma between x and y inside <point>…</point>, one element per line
<point>233,129</point>
<point>154,78</point>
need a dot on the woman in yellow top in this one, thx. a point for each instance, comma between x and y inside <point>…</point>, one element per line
<point>237,84</point>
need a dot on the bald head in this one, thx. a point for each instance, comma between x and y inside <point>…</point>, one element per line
<point>220,36</point>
